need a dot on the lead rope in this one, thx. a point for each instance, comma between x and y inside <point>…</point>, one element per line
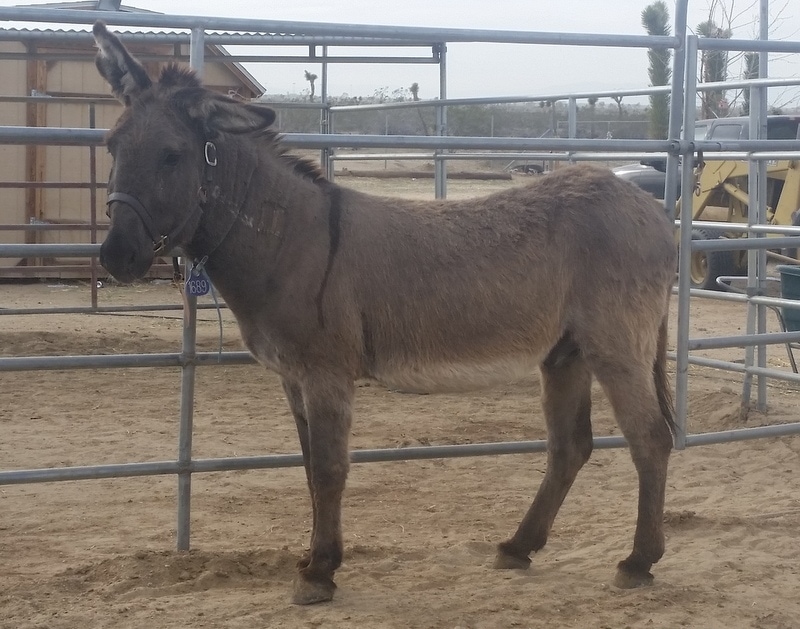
<point>198,270</point>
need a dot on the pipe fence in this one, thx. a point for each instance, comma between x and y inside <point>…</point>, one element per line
<point>679,146</point>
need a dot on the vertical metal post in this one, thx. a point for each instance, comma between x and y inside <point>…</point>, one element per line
<point>759,169</point>
<point>684,260</point>
<point>440,165</point>
<point>756,214</point>
<point>326,121</point>
<point>572,119</point>
<point>676,118</point>
<point>93,204</point>
<point>676,96</point>
<point>188,354</point>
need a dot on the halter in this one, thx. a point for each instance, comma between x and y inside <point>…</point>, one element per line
<point>161,242</point>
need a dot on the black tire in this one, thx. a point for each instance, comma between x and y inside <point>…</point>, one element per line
<point>706,266</point>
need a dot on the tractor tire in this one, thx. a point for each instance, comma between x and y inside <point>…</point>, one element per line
<point>706,266</point>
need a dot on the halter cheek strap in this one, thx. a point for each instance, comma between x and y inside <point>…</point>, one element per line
<point>161,242</point>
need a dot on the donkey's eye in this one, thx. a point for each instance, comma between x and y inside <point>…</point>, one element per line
<point>171,158</point>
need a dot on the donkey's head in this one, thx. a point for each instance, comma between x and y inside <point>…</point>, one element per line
<point>163,151</point>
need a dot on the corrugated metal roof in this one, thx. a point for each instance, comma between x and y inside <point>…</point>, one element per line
<point>81,36</point>
<point>212,37</point>
<point>92,5</point>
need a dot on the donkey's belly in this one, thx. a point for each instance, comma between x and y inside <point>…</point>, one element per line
<point>456,376</point>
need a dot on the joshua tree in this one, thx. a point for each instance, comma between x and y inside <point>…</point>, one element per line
<point>414,89</point>
<point>618,101</point>
<point>750,72</point>
<point>592,101</point>
<point>713,68</point>
<point>311,78</point>
<point>655,19</point>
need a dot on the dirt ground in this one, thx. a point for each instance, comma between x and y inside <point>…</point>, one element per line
<point>419,536</point>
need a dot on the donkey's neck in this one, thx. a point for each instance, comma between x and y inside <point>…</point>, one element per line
<point>256,200</point>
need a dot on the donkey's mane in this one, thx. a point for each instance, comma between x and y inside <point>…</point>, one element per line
<point>303,166</point>
<point>175,75</point>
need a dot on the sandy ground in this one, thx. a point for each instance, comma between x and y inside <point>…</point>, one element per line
<point>419,536</point>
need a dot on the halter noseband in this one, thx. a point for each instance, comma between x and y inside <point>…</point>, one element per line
<point>161,242</point>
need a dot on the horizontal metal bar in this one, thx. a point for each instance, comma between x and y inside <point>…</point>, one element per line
<point>57,136</point>
<point>59,100</point>
<point>273,461</point>
<point>49,269</point>
<point>721,342</point>
<point>770,302</point>
<point>51,184</point>
<point>406,33</point>
<point>87,137</point>
<point>501,155</point>
<point>49,363</point>
<point>725,365</point>
<point>755,156</point>
<point>61,136</point>
<point>227,59</point>
<point>743,434</point>
<point>559,96</point>
<point>789,230</point>
<point>119,361</point>
<point>87,472</point>
<point>321,140</point>
<point>102,309</point>
<point>13,477</point>
<point>36,227</point>
<point>224,358</point>
<point>340,157</point>
<point>49,250</point>
<point>740,244</point>
<point>766,45</point>
<point>747,146</point>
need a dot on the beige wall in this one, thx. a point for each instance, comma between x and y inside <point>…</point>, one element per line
<point>12,158</point>
<point>56,163</point>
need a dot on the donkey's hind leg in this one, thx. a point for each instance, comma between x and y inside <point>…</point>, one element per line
<point>631,390</point>
<point>566,400</point>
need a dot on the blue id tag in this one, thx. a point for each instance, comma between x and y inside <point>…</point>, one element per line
<point>198,284</point>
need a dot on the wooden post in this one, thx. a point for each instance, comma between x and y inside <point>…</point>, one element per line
<point>35,116</point>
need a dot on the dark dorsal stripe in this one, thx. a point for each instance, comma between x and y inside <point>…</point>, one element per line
<point>334,217</point>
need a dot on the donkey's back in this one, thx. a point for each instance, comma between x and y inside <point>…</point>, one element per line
<point>456,295</point>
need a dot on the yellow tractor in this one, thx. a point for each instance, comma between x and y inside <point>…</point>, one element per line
<point>721,194</point>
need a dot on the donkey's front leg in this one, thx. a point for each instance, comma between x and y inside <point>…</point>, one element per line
<point>327,402</point>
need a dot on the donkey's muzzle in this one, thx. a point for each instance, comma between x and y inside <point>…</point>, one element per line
<point>124,257</point>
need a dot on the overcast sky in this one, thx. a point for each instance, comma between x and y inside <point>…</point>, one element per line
<point>485,69</point>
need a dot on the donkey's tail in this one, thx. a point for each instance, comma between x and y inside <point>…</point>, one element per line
<point>663,387</point>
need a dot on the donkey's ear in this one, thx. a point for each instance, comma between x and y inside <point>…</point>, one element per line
<point>126,76</point>
<point>223,114</point>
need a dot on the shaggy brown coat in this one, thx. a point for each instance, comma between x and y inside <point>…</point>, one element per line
<point>570,274</point>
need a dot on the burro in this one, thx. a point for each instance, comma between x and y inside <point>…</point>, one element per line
<point>570,274</point>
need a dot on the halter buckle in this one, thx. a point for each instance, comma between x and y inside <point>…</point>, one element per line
<point>210,153</point>
<point>160,244</point>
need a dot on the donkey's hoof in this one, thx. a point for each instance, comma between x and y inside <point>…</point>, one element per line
<point>504,561</point>
<point>628,578</point>
<point>307,592</point>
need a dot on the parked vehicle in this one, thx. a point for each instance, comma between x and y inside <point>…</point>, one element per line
<point>721,194</point>
<point>721,191</point>
<point>645,176</point>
